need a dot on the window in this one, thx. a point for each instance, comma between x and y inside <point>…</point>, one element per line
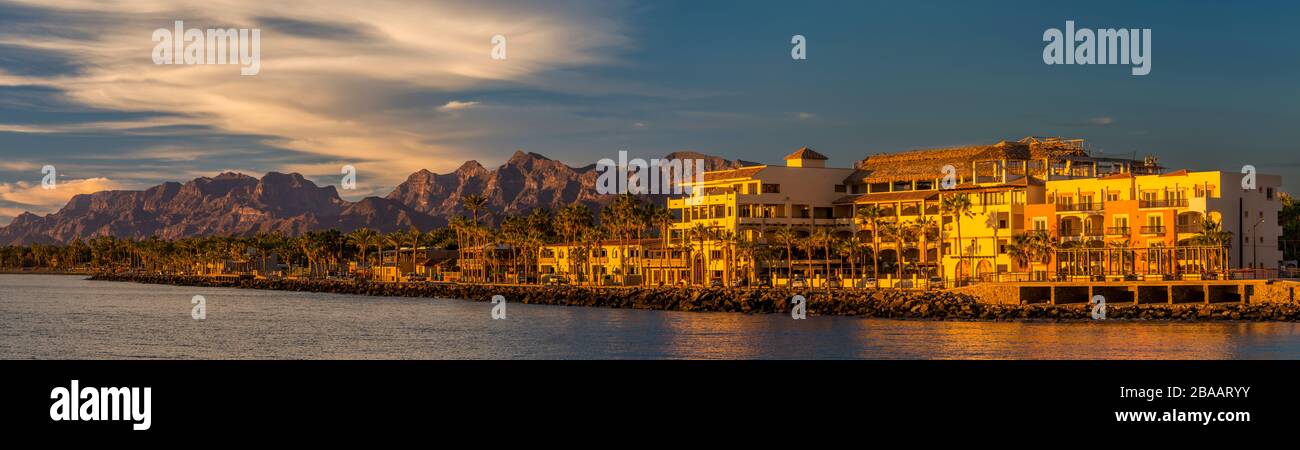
<point>1040,224</point>
<point>840,188</point>
<point>1269,193</point>
<point>771,189</point>
<point>1112,196</point>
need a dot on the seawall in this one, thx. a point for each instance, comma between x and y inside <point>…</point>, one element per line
<point>882,303</point>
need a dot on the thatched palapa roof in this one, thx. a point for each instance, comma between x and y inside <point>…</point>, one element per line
<point>928,163</point>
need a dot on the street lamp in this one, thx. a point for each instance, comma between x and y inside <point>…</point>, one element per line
<point>1254,246</point>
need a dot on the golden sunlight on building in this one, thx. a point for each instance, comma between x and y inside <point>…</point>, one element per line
<point>1037,209</point>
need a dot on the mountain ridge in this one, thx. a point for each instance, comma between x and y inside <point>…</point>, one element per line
<point>232,203</point>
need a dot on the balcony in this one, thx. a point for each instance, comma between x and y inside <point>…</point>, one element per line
<point>1166,203</point>
<point>1153,229</point>
<point>1118,231</point>
<point>1196,228</point>
<point>1069,207</point>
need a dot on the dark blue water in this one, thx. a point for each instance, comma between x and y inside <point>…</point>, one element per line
<point>49,316</point>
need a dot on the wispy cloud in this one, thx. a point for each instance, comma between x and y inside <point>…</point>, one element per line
<point>456,105</point>
<point>337,76</point>
<point>24,196</point>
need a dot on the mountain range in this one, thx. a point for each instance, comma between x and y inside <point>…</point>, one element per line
<point>238,204</point>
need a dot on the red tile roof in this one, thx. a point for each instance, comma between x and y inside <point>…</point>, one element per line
<point>743,172</point>
<point>806,153</point>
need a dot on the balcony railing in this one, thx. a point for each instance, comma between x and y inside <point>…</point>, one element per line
<point>1166,203</point>
<point>1153,229</point>
<point>1188,228</point>
<point>1118,231</point>
<point>1087,206</point>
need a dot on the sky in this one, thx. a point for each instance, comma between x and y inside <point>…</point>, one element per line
<point>394,87</point>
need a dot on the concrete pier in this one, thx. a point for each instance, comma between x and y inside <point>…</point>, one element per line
<point>1136,292</point>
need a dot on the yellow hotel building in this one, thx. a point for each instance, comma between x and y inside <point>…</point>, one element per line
<point>952,215</point>
<point>1105,216</point>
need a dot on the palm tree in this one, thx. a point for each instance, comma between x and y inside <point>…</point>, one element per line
<point>730,244</point>
<point>748,251</point>
<point>702,235</point>
<point>826,237</point>
<point>590,237</point>
<point>846,249</point>
<point>1020,249</point>
<point>395,240</point>
<point>872,214</point>
<point>958,206</point>
<point>570,222</point>
<point>1123,247</point>
<point>1212,233</point>
<point>474,203</point>
<point>926,228</point>
<point>808,244</point>
<point>623,219</point>
<point>364,238</point>
<point>892,231</point>
<point>663,219</point>
<point>908,232</point>
<point>787,237</point>
<point>414,237</point>
<point>461,226</point>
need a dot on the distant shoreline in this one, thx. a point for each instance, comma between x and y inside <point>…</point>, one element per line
<point>867,303</point>
<point>45,272</point>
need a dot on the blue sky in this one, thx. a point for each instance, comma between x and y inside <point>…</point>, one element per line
<point>394,87</point>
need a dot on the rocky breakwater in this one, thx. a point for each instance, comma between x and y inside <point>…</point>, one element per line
<point>883,303</point>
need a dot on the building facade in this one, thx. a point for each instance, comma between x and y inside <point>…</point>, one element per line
<point>1036,209</point>
<point>965,213</point>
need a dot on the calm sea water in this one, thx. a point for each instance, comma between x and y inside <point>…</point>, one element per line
<point>67,317</point>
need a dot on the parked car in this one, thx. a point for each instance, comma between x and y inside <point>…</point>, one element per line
<point>554,280</point>
<point>833,283</point>
<point>870,283</point>
<point>715,282</point>
<point>798,282</point>
<point>934,283</point>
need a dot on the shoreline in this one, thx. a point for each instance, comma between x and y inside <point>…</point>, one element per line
<point>867,303</point>
<point>45,272</point>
